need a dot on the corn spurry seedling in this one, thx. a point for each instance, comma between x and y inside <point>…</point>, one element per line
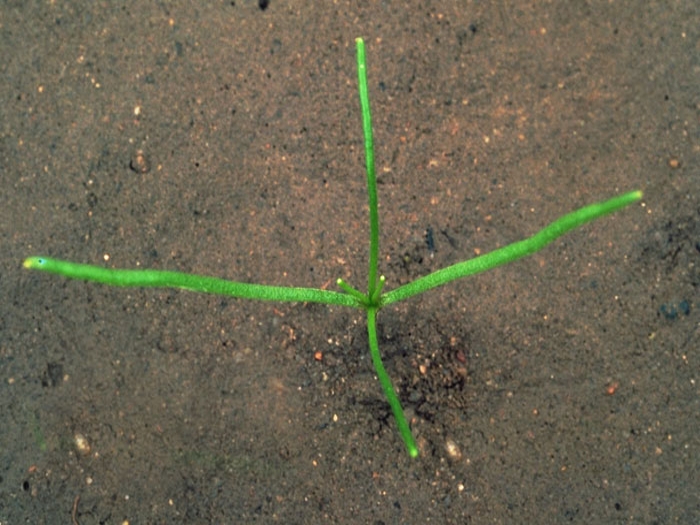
<point>373,300</point>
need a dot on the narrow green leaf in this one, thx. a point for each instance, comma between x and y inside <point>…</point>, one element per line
<point>513,251</point>
<point>195,283</point>
<point>369,161</point>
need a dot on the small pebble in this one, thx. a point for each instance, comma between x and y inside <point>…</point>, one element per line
<point>81,444</point>
<point>139,163</point>
<point>452,449</point>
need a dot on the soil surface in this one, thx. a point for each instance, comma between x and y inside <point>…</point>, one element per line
<point>224,138</point>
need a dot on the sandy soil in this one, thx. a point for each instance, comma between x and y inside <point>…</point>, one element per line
<point>225,139</point>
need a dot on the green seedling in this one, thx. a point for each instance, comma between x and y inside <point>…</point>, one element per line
<point>371,301</point>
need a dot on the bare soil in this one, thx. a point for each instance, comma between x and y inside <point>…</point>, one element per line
<point>223,138</point>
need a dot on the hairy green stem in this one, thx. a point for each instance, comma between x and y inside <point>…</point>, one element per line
<point>513,251</point>
<point>385,381</point>
<point>369,162</point>
<point>187,281</point>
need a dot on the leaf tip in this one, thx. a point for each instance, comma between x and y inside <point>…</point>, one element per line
<point>31,263</point>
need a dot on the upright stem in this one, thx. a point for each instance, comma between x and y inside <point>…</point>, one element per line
<point>369,161</point>
<point>385,381</point>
